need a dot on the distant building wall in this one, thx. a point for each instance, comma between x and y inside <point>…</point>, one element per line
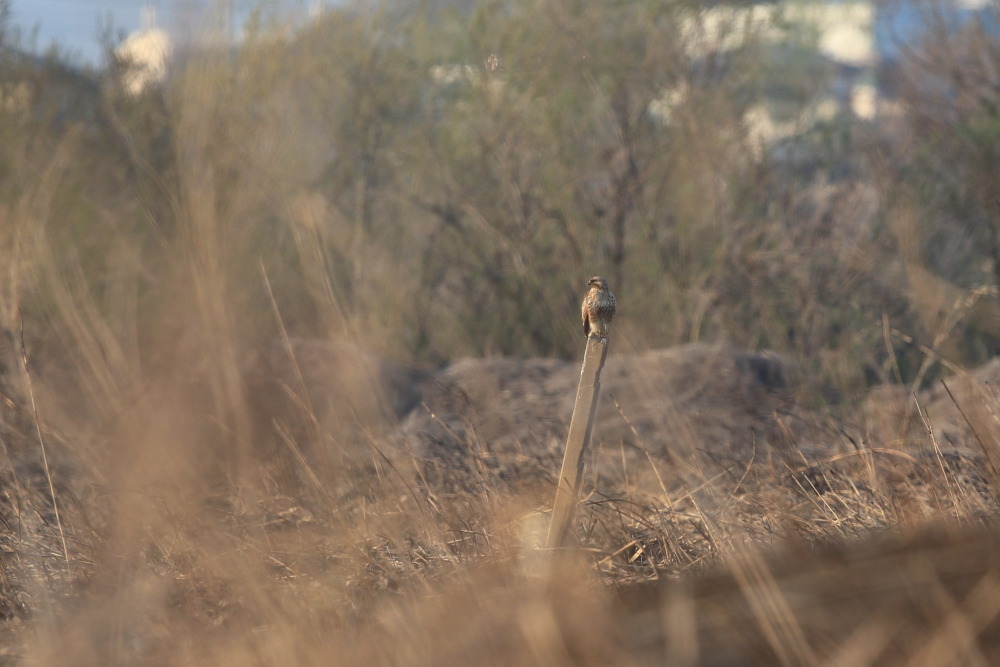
<point>145,54</point>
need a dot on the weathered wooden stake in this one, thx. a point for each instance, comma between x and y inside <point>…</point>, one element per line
<point>580,426</point>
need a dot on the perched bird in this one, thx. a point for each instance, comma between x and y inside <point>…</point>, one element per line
<point>598,309</point>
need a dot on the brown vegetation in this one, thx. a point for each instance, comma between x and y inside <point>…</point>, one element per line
<point>289,348</point>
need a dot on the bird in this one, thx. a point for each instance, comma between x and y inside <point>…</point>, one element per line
<point>598,309</point>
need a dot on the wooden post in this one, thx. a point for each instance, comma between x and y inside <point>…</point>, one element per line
<point>580,425</point>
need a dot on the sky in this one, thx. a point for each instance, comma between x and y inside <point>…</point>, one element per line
<point>76,24</point>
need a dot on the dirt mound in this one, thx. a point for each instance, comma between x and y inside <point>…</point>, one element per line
<point>511,416</point>
<point>963,411</point>
<point>718,427</point>
<point>957,415</point>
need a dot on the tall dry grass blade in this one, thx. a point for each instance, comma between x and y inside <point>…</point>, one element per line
<point>680,625</point>
<point>938,455</point>
<point>956,640</point>
<point>772,611</point>
<point>283,331</point>
<point>866,644</point>
<point>41,438</point>
<point>889,350</point>
<point>988,452</point>
<point>962,305</point>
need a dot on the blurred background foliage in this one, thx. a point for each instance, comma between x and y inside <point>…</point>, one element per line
<point>437,180</point>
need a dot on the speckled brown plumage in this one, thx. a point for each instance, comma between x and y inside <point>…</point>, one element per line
<point>598,309</point>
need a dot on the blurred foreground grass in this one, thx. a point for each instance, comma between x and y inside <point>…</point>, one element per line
<point>235,308</point>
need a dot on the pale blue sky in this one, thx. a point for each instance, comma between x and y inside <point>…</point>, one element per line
<point>76,24</point>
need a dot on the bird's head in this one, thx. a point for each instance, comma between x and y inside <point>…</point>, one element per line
<point>598,282</point>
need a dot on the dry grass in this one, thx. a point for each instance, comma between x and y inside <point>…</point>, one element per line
<point>222,440</point>
<point>388,543</point>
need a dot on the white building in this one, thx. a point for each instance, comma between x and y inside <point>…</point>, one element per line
<point>842,32</point>
<point>145,54</point>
